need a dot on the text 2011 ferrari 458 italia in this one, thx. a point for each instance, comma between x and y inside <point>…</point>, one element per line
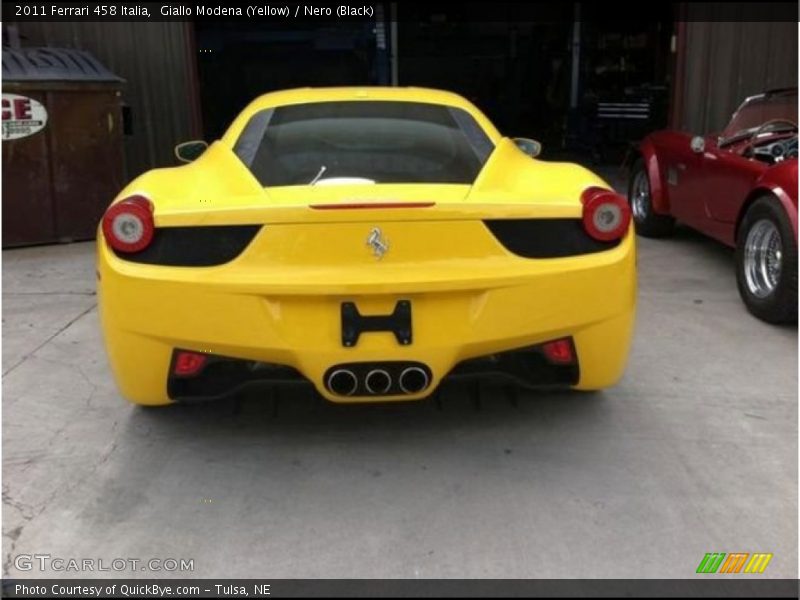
<point>372,241</point>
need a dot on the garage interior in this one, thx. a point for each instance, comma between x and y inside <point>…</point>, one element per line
<point>695,451</point>
<point>552,80</point>
<point>534,79</point>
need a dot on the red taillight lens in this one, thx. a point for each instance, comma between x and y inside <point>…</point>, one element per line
<point>559,351</point>
<point>188,363</point>
<point>128,225</point>
<point>606,214</point>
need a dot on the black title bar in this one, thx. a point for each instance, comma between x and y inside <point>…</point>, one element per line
<point>325,11</point>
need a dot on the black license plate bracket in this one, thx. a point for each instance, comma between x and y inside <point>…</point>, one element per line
<point>398,323</point>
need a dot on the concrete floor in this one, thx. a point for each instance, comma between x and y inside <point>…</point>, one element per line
<point>694,451</point>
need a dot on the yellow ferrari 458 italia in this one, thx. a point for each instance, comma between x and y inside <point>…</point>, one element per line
<point>372,241</point>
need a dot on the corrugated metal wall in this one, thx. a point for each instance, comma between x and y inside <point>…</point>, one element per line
<point>155,60</point>
<point>726,62</point>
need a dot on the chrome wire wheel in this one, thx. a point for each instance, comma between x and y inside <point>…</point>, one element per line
<point>640,196</point>
<point>649,222</point>
<point>763,257</point>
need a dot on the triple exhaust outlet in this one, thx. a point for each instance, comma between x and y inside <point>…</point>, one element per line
<point>385,379</point>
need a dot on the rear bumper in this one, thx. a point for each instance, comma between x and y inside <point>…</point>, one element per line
<point>462,310</point>
<point>223,376</point>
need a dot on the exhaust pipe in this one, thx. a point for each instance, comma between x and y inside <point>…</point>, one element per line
<point>378,382</point>
<point>413,380</point>
<point>342,382</point>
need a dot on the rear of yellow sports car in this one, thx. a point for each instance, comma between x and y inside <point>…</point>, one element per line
<point>371,290</point>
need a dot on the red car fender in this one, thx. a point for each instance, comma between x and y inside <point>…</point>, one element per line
<point>781,181</point>
<point>658,193</point>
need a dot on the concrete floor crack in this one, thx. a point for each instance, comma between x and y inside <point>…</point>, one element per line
<point>49,339</point>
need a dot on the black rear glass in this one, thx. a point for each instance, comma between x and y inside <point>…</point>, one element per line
<point>363,142</point>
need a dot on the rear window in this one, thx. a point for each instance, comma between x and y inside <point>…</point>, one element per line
<point>326,143</point>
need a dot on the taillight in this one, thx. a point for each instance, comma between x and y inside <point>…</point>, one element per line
<point>128,224</point>
<point>188,363</point>
<point>559,351</point>
<point>606,214</point>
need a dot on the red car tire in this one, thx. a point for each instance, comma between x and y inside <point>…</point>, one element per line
<point>766,262</point>
<point>647,222</point>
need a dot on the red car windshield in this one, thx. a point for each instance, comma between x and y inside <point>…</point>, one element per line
<point>757,110</point>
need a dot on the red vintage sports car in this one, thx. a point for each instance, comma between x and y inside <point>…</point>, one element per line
<point>739,187</point>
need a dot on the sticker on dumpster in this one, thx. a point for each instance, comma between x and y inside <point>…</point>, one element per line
<point>22,116</point>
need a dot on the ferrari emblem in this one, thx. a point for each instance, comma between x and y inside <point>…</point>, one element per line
<point>378,243</point>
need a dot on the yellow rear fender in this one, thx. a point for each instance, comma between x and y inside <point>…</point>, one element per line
<point>217,177</point>
<point>511,175</point>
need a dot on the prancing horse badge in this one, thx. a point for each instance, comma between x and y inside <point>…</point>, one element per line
<point>378,243</point>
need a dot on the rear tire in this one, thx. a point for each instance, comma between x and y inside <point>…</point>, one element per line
<point>766,262</point>
<point>648,222</point>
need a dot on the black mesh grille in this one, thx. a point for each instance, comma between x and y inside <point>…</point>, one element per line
<point>527,365</point>
<point>546,238</point>
<point>194,246</point>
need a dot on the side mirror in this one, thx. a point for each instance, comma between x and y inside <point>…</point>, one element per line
<point>189,151</point>
<point>530,147</point>
<point>698,144</point>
